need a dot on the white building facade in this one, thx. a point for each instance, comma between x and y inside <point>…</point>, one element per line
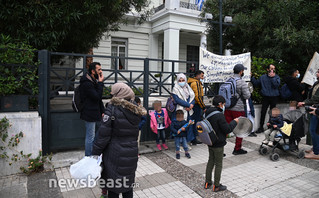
<point>173,32</point>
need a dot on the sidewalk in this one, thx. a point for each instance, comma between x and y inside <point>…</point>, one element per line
<point>161,175</point>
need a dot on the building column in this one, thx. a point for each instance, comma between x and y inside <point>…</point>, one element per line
<point>153,49</point>
<point>172,4</point>
<point>203,41</point>
<point>171,48</point>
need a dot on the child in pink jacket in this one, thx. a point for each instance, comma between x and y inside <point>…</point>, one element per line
<point>159,122</point>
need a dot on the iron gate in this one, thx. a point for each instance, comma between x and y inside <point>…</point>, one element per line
<point>62,128</point>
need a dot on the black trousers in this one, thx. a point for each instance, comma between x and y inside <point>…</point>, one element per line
<point>267,101</point>
<point>128,194</point>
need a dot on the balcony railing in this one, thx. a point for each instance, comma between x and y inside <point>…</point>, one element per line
<point>190,6</point>
<point>161,7</point>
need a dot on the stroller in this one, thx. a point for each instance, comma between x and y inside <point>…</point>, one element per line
<point>288,140</point>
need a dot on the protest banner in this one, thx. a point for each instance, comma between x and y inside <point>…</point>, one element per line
<point>219,68</point>
<point>310,75</point>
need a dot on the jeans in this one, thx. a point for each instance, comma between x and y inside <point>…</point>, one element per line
<point>128,194</point>
<point>89,137</point>
<point>178,141</point>
<point>267,101</point>
<point>313,133</point>
<point>270,134</point>
<point>215,160</point>
<point>160,135</point>
<point>196,117</point>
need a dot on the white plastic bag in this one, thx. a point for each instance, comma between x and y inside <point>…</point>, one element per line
<point>87,168</point>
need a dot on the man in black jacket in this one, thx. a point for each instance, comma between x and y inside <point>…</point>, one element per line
<point>91,89</point>
<point>216,151</point>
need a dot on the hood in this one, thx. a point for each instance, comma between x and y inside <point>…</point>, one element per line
<point>137,110</point>
<point>191,80</point>
<point>87,77</point>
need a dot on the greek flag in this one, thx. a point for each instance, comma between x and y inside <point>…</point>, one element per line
<point>199,4</point>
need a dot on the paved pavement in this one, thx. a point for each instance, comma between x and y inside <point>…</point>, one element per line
<point>161,175</point>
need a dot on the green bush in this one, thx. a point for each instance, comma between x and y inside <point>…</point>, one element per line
<point>18,68</point>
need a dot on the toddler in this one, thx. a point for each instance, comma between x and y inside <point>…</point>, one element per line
<point>274,124</point>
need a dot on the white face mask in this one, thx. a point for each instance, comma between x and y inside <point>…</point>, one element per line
<point>182,84</point>
<point>298,76</point>
<point>223,108</point>
<point>202,80</point>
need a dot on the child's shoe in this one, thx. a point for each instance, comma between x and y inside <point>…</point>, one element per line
<point>159,147</point>
<point>219,188</point>
<point>188,155</point>
<point>178,156</point>
<point>165,147</point>
<point>265,141</point>
<point>270,143</point>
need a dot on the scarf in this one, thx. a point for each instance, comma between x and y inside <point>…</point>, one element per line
<point>185,88</point>
<point>122,90</point>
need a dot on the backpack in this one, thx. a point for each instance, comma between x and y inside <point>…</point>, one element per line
<point>285,92</point>
<point>228,91</point>
<point>170,104</point>
<point>205,130</point>
<point>77,104</point>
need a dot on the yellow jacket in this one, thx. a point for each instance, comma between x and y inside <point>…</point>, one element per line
<point>197,87</point>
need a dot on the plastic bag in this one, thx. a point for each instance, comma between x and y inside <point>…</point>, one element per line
<point>87,168</point>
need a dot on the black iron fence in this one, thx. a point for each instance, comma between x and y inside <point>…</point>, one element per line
<point>59,74</point>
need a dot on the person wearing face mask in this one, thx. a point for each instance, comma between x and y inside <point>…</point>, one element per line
<point>216,151</point>
<point>91,90</point>
<point>238,110</point>
<point>196,84</point>
<point>297,89</point>
<point>184,96</point>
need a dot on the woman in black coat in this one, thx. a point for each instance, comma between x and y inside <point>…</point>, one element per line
<point>297,89</point>
<point>117,140</point>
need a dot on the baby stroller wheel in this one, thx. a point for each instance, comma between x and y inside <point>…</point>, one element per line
<point>263,150</point>
<point>301,155</point>
<point>274,157</point>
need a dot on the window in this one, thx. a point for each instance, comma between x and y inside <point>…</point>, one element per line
<point>119,48</point>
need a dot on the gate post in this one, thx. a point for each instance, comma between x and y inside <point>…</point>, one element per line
<point>44,97</point>
<point>146,130</point>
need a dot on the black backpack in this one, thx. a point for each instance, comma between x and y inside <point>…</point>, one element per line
<point>77,104</point>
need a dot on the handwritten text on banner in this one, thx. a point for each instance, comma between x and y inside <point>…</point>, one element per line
<point>219,68</point>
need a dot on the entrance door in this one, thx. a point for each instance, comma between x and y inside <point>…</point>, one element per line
<point>192,55</point>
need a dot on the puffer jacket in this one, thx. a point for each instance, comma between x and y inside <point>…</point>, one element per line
<point>91,95</point>
<point>117,140</point>
<point>197,87</point>
<point>243,94</point>
<point>220,126</point>
<point>279,121</point>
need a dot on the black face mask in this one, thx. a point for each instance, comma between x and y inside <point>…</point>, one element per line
<point>242,74</point>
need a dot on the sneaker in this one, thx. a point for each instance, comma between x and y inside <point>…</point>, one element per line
<point>239,152</point>
<point>159,147</point>
<point>265,141</point>
<point>188,155</point>
<point>270,143</point>
<point>165,147</point>
<point>219,188</point>
<point>178,156</point>
<point>253,134</point>
<point>260,130</point>
<point>207,185</point>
